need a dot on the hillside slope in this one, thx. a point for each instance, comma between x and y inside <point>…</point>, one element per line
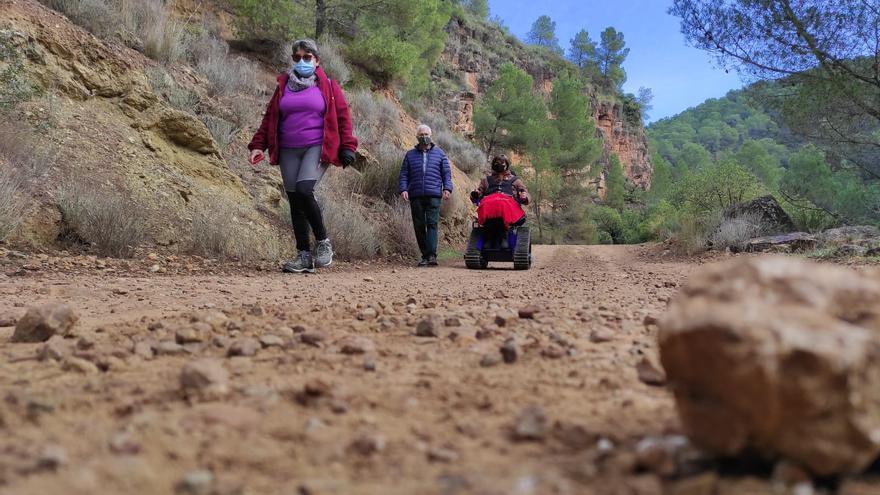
<point>111,124</point>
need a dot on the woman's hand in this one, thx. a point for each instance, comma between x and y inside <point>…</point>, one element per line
<point>257,156</point>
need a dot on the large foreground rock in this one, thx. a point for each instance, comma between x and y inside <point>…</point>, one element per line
<point>780,357</point>
<point>41,323</point>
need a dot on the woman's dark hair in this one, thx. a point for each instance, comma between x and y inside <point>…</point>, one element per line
<point>307,45</point>
<point>501,158</point>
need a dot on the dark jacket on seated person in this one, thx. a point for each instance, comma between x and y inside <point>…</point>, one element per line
<point>505,182</point>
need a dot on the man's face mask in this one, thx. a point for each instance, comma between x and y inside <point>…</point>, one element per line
<point>424,140</point>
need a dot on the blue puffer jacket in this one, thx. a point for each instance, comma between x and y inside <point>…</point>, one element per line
<point>425,173</point>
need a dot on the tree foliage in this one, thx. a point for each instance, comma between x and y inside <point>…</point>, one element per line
<point>505,118</point>
<point>610,55</point>
<point>543,33</point>
<point>823,54</point>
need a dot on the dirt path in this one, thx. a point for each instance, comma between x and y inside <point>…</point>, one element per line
<point>411,415</point>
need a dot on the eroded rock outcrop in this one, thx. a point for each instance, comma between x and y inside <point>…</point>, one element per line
<point>780,357</point>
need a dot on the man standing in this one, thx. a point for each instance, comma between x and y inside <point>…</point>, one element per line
<point>425,178</point>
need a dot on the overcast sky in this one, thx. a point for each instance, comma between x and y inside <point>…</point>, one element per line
<point>680,76</point>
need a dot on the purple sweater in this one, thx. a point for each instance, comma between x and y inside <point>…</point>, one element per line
<point>302,118</point>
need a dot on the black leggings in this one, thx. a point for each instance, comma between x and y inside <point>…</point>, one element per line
<point>305,213</point>
<point>301,170</point>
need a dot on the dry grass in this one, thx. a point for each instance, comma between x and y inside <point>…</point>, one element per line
<point>374,116</point>
<point>332,60</point>
<point>109,222</point>
<point>354,232</point>
<point>226,75</point>
<point>381,179</point>
<point>222,230</point>
<point>466,156</point>
<point>399,236</point>
<point>222,130</point>
<point>735,232</point>
<point>11,204</point>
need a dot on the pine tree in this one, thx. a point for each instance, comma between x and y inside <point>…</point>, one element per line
<point>505,116</point>
<point>610,56</point>
<point>543,33</point>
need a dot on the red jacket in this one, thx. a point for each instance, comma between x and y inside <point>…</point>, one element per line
<point>337,122</point>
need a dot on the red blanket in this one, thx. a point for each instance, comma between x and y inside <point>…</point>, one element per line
<point>499,205</point>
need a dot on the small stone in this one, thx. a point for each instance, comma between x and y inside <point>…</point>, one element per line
<point>144,350</point>
<point>506,318</point>
<point>41,323</point>
<point>452,321</point>
<point>649,320</point>
<point>55,348</point>
<point>156,325</point>
<point>428,328</point>
<point>8,321</point>
<point>369,279</point>
<point>169,348</point>
<point>789,473</point>
<point>553,351</point>
<point>256,310</point>
<point>367,445</point>
<point>205,379</point>
<point>490,360</point>
<point>442,455</point>
<point>601,335</point>
<point>659,454</point>
<point>195,483</point>
<point>367,314</point>
<point>188,335</point>
<point>85,343</point>
<point>123,444</point>
<point>510,351</point>
<point>52,457</point>
<point>312,338</point>
<point>483,334</point>
<point>79,365</point>
<point>246,347</point>
<point>529,312</point>
<point>649,374</point>
<point>354,344</point>
<point>369,363</point>
<point>271,341</point>
<point>531,425</point>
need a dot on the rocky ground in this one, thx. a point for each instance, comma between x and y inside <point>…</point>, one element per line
<point>186,376</point>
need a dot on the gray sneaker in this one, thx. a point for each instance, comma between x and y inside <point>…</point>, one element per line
<point>323,253</point>
<point>303,263</point>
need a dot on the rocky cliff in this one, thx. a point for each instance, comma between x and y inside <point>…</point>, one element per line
<point>473,53</point>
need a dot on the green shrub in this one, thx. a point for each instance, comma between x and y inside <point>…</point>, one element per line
<point>735,232</point>
<point>398,234</point>
<point>14,87</point>
<point>176,96</point>
<point>109,222</point>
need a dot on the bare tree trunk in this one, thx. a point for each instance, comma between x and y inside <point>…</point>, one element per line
<point>320,18</point>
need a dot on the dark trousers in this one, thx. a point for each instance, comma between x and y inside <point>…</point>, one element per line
<point>426,216</point>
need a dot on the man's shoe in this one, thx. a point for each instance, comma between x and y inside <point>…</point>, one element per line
<point>303,263</point>
<point>423,262</point>
<point>323,253</point>
<point>432,260</point>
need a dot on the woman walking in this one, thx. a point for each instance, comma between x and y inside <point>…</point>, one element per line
<point>307,126</point>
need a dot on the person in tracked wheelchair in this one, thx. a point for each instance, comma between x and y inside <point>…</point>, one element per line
<point>499,198</point>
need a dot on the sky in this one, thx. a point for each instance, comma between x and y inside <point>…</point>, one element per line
<point>680,76</point>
